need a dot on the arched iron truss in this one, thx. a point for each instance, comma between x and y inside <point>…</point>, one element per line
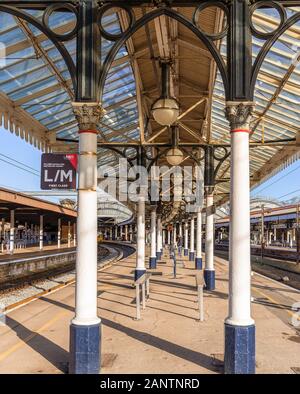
<point>89,73</point>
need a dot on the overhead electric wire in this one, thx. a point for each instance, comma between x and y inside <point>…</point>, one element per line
<point>298,190</point>
<point>16,166</point>
<point>19,162</point>
<point>277,180</point>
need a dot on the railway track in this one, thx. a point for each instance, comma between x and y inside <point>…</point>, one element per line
<point>23,290</point>
<point>28,279</point>
<point>126,250</point>
<point>286,276</point>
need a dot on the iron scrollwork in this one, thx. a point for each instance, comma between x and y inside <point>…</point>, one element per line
<point>43,25</point>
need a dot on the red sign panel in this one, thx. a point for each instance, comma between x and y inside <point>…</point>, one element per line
<point>58,171</point>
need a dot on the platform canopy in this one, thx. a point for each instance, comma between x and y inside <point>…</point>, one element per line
<point>36,90</point>
<point>29,209</point>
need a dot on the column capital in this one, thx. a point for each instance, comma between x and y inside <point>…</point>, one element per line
<point>239,114</point>
<point>88,115</point>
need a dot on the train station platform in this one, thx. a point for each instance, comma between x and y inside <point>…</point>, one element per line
<point>34,251</point>
<point>168,339</point>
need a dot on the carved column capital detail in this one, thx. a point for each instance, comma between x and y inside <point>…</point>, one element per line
<point>239,114</point>
<point>88,115</point>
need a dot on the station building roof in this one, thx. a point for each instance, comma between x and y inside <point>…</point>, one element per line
<point>36,91</point>
<point>28,209</point>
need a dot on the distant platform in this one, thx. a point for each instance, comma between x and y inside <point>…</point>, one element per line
<point>34,251</point>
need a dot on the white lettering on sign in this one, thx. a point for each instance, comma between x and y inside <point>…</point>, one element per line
<point>60,175</point>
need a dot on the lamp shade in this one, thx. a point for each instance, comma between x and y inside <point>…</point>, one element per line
<point>165,111</point>
<point>174,156</point>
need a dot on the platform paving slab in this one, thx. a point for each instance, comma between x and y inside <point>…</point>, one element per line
<point>168,339</point>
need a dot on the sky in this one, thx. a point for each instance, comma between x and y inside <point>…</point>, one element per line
<point>23,172</point>
<point>20,164</point>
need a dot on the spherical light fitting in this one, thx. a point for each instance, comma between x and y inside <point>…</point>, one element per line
<point>165,111</point>
<point>174,156</point>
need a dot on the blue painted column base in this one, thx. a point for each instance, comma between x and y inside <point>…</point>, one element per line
<point>85,349</point>
<point>158,256</point>
<point>192,256</point>
<point>185,252</point>
<point>209,278</point>
<point>239,349</point>
<point>152,263</point>
<point>138,273</point>
<point>198,263</point>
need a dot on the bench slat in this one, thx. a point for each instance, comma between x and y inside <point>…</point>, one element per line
<point>199,279</point>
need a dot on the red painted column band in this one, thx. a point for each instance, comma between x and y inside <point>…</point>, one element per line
<point>240,131</point>
<point>88,131</point>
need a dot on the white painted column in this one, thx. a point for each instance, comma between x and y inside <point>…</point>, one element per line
<point>41,232</point>
<point>239,264</point>
<point>86,261</point>
<point>74,235</point>
<point>25,233</point>
<point>152,261</point>
<point>126,232</point>
<point>186,237</point>
<point>31,233</point>
<point>192,239</point>
<point>12,232</point>
<point>239,325</point>
<point>3,234</point>
<point>85,326</point>
<point>140,253</point>
<point>36,232</point>
<point>159,243</point>
<point>180,239</point>
<point>180,230</point>
<point>69,234</point>
<point>163,237</point>
<point>175,234</point>
<point>209,272</point>
<point>198,261</point>
<point>169,237</point>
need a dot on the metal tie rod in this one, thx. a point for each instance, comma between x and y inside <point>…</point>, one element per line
<point>200,283</point>
<point>143,283</point>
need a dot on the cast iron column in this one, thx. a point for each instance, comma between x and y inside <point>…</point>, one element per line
<point>41,232</point>
<point>239,326</point>
<point>198,260</point>
<point>159,239</point>
<point>140,251</point>
<point>186,237</point>
<point>209,185</point>
<point>12,232</point>
<point>152,261</point>
<point>192,240</point>
<point>85,327</point>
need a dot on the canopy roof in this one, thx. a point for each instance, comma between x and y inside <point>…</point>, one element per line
<point>36,90</point>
